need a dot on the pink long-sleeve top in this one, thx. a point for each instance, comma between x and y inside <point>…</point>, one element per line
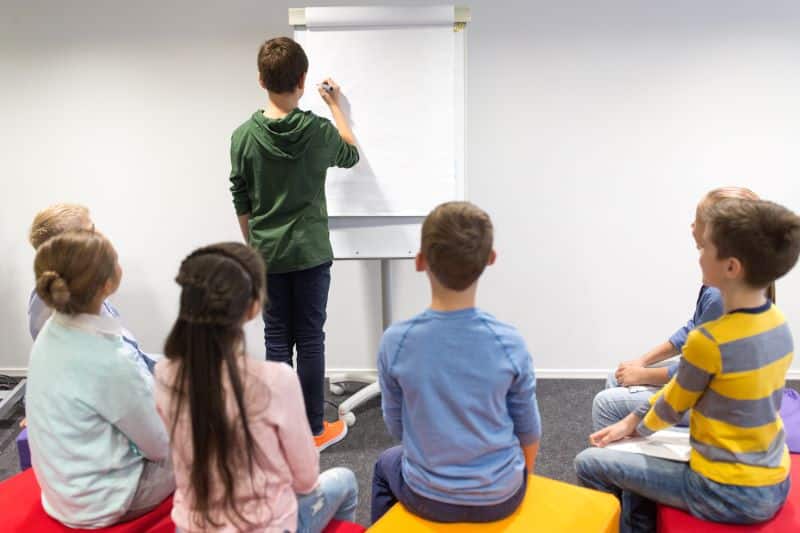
<point>286,461</point>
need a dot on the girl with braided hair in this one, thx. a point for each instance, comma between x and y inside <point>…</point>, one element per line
<point>245,458</point>
<point>99,450</point>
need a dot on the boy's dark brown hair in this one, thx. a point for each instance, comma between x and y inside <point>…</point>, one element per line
<point>71,268</point>
<point>456,243</point>
<point>281,64</point>
<point>763,236</point>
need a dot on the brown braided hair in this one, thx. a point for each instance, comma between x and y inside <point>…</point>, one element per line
<point>219,285</point>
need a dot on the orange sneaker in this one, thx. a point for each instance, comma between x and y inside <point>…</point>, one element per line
<point>332,432</point>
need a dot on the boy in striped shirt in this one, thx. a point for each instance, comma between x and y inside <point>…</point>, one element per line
<point>731,376</point>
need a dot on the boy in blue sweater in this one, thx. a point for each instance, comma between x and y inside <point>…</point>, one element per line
<point>458,389</point>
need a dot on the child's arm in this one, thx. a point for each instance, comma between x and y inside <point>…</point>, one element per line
<point>628,376</point>
<point>531,451</point>
<point>332,99</point>
<point>127,403</point>
<point>244,225</point>
<point>659,353</point>
<point>239,192</point>
<point>522,405</point>
<point>696,369</point>
<point>391,395</point>
<point>635,372</point>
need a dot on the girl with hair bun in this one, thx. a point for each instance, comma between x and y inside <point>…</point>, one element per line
<point>98,447</point>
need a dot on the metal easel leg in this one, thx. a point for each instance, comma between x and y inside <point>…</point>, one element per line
<point>373,389</point>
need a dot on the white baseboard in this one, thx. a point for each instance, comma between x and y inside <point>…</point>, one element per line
<point>16,372</point>
<point>541,373</point>
<point>370,373</point>
<point>572,373</point>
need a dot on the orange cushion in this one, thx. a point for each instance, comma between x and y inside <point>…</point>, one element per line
<point>549,507</point>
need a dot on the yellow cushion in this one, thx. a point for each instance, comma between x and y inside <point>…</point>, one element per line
<point>549,507</point>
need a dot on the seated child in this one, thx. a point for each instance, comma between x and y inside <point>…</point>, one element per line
<point>244,455</point>
<point>731,376</point>
<point>458,389</point>
<point>97,445</point>
<point>49,222</point>
<point>635,381</point>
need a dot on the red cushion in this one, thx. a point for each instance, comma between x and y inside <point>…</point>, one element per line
<point>21,511</point>
<point>671,520</point>
<point>335,526</point>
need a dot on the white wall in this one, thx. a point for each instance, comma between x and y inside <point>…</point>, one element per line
<point>594,127</point>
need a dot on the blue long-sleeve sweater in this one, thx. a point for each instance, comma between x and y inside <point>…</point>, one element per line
<point>458,389</point>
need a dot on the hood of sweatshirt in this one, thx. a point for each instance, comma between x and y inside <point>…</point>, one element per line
<point>286,138</point>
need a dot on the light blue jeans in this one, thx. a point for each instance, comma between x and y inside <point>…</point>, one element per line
<point>615,403</point>
<point>336,496</point>
<point>639,481</point>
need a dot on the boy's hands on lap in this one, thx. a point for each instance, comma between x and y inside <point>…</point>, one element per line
<point>629,373</point>
<point>622,429</point>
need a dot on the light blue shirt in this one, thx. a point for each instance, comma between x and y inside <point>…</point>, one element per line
<point>458,389</point>
<point>709,307</point>
<point>38,313</point>
<point>92,420</point>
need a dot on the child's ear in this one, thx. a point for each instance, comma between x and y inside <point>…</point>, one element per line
<point>260,81</point>
<point>301,84</point>
<point>419,262</point>
<point>492,258</point>
<point>734,269</point>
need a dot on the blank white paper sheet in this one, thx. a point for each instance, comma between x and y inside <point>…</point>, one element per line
<point>670,444</point>
<point>401,73</point>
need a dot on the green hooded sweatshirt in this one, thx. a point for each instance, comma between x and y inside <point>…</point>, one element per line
<point>278,169</point>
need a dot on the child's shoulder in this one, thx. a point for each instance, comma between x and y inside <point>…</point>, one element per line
<point>395,333</point>
<point>246,127</point>
<point>500,328</point>
<point>268,373</point>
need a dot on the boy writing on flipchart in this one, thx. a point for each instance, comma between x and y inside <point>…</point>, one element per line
<point>279,159</point>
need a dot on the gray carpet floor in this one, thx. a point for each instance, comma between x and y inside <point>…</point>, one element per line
<point>565,406</point>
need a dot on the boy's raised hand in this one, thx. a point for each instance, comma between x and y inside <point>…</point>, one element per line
<point>330,94</point>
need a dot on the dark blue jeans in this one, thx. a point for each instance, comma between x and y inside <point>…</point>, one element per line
<point>388,487</point>
<point>294,317</point>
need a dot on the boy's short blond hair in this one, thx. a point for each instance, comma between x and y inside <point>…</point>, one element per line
<point>722,193</point>
<point>56,219</point>
<point>457,240</point>
<point>763,236</point>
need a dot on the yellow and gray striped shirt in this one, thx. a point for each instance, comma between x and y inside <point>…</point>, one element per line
<point>731,376</point>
